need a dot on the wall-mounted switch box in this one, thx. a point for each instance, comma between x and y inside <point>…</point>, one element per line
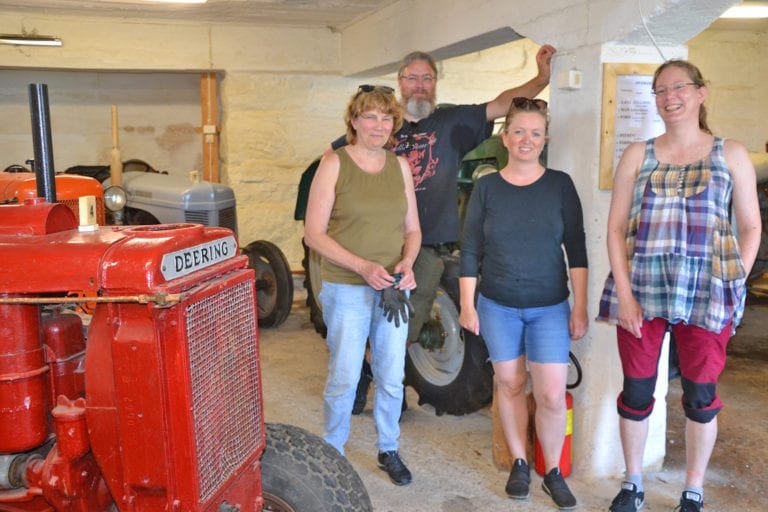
<point>570,79</point>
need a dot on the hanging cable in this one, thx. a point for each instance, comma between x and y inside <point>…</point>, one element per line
<point>647,31</point>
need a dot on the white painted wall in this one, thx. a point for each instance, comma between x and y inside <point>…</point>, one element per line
<point>157,117</point>
<point>453,27</point>
<point>574,147</point>
<point>736,64</point>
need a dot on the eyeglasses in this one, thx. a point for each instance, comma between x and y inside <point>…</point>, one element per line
<point>529,103</point>
<point>413,79</point>
<point>370,88</point>
<point>663,91</point>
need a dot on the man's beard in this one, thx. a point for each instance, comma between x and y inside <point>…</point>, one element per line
<point>419,108</point>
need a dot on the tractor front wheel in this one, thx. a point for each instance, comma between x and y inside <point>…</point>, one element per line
<point>274,282</point>
<point>313,282</point>
<point>302,473</point>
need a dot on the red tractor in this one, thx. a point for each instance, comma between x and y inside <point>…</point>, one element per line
<point>158,405</point>
<point>18,183</point>
<point>154,401</point>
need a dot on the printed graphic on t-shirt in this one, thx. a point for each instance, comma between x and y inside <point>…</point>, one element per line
<point>418,149</point>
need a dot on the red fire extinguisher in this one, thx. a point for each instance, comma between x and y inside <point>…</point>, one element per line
<point>566,456</point>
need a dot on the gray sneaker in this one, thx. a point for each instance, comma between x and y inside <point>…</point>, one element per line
<point>629,499</point>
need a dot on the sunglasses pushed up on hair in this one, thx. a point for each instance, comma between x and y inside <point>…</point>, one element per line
<point>370,88</point>
<point>523,103</point>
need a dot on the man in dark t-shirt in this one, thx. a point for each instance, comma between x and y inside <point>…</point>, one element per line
<point>435,141</point>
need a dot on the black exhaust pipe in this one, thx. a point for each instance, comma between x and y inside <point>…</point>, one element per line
<point>41,142</point>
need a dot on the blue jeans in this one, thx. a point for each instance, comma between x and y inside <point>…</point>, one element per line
<point>353,316</point>
<point>541,333</point>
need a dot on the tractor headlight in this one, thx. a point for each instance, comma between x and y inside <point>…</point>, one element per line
<point>115,198</point>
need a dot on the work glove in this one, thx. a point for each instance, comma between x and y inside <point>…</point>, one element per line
<point>396,305</point>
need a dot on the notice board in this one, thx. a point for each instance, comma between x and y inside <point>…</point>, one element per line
<point>628,114</point>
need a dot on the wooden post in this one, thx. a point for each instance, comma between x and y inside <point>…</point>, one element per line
<point>502,459</point>
<point>501,456</point>
<point>115,161</point>
<point>210,128</point>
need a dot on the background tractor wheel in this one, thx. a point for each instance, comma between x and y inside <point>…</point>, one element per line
<point>312,283</point>
<point>302,473</point>
<point>457,377</point>
<point>274,282</point>
<point>454,378</point>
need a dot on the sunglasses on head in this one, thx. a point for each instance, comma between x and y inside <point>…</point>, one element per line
<point>528,103</point>
<point>370,88</point>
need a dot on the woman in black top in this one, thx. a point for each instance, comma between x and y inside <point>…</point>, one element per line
<point>518,221</point>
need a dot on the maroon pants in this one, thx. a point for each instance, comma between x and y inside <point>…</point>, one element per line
<point>702,359</point>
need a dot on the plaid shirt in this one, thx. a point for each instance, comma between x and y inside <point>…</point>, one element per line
<point>684,260</point>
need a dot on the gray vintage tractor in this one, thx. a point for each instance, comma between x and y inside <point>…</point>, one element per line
<point>153,197</point>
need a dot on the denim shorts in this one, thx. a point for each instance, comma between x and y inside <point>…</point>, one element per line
<point>542,334</point>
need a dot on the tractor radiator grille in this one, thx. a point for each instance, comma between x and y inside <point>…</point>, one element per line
<point>226,394</point>
<point>74,205</point>
<point>227,218</point>
<point>197,217</point>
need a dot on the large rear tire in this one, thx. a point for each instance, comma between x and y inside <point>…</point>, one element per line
<point>274,282</point>
<point>456,378</point>
<point>135,217</point>
<point>302,473</point>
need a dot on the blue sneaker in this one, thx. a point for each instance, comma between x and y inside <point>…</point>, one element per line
<point>690,502</point>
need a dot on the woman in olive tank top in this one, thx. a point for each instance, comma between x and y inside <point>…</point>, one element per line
<point>362,219</point>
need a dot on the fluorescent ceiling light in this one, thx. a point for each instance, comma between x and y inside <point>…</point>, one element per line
<point>747,10</point>
<point>156,1</point>
<point>168,1</point>
<point>25,40</point>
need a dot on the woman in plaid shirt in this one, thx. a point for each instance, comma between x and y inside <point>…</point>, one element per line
<point>678,263</point>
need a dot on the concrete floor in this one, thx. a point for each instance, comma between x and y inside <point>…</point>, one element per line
<point>451,457</point>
